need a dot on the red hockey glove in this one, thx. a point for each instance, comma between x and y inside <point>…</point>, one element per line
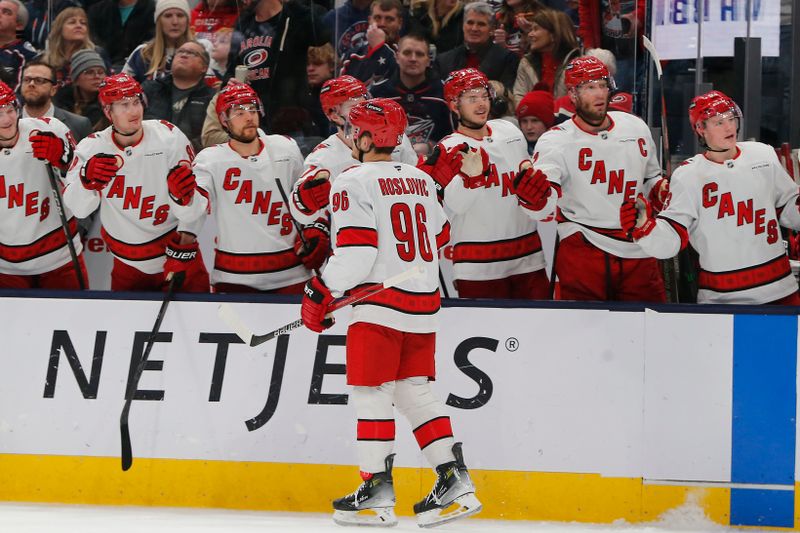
<point>98,171</point>
<point>181,184</point>
<point>318,244</point>
<point>532,188</point>
<point>179,257</point>
<point>474,168</point>
<point>313,194</point>
<point>443,165</point>
<point>48,147</point>
<point>316,299</point>
<point>659,194</point>
<point>636,218</point>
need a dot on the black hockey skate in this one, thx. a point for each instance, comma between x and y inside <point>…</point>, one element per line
<point>452,497</point>
<point>372,504</point>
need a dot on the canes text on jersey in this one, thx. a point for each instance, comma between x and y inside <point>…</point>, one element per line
<point>742,210</point>
<point>17,198</point>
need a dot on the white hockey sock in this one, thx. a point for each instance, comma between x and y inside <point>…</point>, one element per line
<point>426,413</point>
<point>375,425</point>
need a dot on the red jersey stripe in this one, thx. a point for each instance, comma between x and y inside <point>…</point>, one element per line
<point>746,278</point>
<point>52,241</point>
<point>256,263</point>
<point>505,250</point>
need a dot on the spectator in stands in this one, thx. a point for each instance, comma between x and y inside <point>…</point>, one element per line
<point>70,34</point>
<point>153,59</point>
<point>88,71</point>
<point>14,53</point>
<point>535,115</point>
<point>120,26</point>
<point>442,22</point>
<point>552,45</point>
<point>419,93</point>
<point>478,50</point>
<point>38,86</point>
<point>319,69</point>
<point>221,51</point>
<point>38,28</point>
<point>210,18</point>
<point>347,26</point>
<point>378,62</point>
<point>181,97</point>
<point>511,23</point>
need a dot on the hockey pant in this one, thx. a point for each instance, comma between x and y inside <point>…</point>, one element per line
<point>62,277</point>
<point>236,288</point>
<point>127,278</point>
<point>528,286</point>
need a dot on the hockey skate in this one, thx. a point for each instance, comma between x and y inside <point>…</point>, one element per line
<point>452,497</point>
<point>372,504</point>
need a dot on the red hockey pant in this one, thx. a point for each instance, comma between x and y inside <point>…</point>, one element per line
<point>235,288</point>
<point>528,286</point>
<point>377,354</point>
<point>127,278</point>
<point>61,278</point>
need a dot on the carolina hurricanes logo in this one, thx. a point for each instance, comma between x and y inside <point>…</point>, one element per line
<point>256,57</point>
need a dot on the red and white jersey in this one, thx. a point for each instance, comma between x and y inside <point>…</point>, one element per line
<point>335,156</point>
<point>32,239</point>
<point>730,213</point>
<point>493,236</point>
<point>135,208</point>
<point>386,219</point>
<point>256,236</point>
<point>594,173</point>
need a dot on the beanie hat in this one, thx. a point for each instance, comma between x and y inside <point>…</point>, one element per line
<point>83,60</point>
<point>163,5</point>
<point>537,104</point>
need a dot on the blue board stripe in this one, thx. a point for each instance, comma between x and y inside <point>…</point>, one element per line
<point>764,406</point>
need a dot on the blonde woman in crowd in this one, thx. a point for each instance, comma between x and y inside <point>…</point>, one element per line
<point>69,35</point>
<point>441,20</point>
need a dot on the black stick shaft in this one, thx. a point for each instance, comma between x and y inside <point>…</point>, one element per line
<point>297,225</point>
<point>64,224</point>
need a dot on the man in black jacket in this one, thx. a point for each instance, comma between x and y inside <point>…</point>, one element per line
<point>478,50</point>
<point>119,37</point>
<point>182,96</point>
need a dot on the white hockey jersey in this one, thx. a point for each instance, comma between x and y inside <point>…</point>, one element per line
<point>256,236</point>
<point>493,236</point>
<point>386,219</point>
<point>595,173</point>
<point>730,213</point>
<point>335,156</point>
<point>32,240</point>
<point>135,208</point>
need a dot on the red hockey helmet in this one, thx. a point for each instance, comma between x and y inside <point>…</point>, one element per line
<point>117,87</point>
<point>339,90</point>
<point>584,70</point>
<point>712,103</point>
<point>236,93</point>
<point>382,118</point>
<point>7,96</point>
<point>464,80</point>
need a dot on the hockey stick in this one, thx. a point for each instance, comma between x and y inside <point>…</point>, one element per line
<point>229,316</point>
<point>57,199</point>
<point>297,225</point>
<point>125,433</point>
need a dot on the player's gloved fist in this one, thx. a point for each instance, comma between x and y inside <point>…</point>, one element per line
<point>181,184</point>
<point>313,194</point>
<point>316,300</point>
<point>443,164</point>
<point>318,244</point>
<point>659,194</point>
<point>474,168</point>
<point>98,171</point>
<point>532,188</point>
<point>636,218</point>
<point>48,147</point>
<point>179,257</point>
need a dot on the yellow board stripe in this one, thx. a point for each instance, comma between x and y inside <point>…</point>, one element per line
<point>506,495</point>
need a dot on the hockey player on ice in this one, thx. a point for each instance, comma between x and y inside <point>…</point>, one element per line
<point>387,219</point>
<point>236,182</point>
<point>596,161</point>
<point>728,203</point>
<point>129,170</point>
<point>33,247</point>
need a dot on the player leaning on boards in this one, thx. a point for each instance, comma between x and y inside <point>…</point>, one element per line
<point>596,161</point>
<point>728,203</point>
<point>123,170</point>
<point>33,245</point>
<point>386,219</point>
<point>236,181</point>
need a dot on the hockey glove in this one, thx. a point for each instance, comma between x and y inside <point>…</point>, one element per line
<point>48,147</point>
<point>318,244</point>
<point>532,188</point>
<point>313,194</point>
<point>179,257</point>
<point>181,184</point>
<point>443,165</point>
<point>474,168</point>
<point>316,300</point>
<point>636,218</point>
<point>659,194</point>
<point>98,171</point>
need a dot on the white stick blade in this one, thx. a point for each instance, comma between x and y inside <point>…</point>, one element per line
<point>651,48</point>
<point>413,272</point>
<point>229,316</point>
